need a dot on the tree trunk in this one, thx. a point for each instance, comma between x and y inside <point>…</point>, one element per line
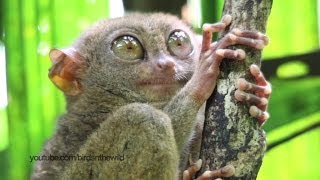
<point>230,135</point>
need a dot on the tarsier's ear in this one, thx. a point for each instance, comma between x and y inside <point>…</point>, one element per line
<point>67,66</point>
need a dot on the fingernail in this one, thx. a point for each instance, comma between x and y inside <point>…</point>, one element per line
<point>254,69</point>
<point>260,44</point>
<point>228,170</point>
<point>205,26</point>
<point>255,66</point>
<point>264,101</point>
<point>266,115</point>
<point>241,84</point>
<point>220,52</point>
<point>199,164</point>
<point>267,90</point>
<point>240,95</point>
<point>236,31</point>
<point>227,19</point>
<point>241,53</point>
<point>254,111</point>
<point>265,39</point>
<point>233,37</point>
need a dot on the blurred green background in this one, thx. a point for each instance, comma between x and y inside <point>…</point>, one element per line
<point>30,104</point>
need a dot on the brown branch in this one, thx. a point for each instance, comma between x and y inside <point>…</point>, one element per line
<point>230,135</point>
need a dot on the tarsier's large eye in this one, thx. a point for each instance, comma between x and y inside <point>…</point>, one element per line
<point>179,44</point>
<point>127,48</point>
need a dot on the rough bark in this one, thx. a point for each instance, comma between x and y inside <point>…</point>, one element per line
<point>230,135</point>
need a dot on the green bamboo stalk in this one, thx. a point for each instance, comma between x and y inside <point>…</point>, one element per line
<point>33,27</point>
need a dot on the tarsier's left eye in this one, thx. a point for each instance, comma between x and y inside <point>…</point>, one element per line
<point>179,44</point>
<point>127,48</point>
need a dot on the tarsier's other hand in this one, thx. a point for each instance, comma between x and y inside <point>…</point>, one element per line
<point>207,71</point>
<point>256,94</point>
<point>226,171</point>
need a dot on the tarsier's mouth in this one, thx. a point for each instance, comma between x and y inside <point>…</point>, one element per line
<point>160,82</point>
<point>159,88</point>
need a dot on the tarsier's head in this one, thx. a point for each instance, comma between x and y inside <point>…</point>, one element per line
<point>145,58</point>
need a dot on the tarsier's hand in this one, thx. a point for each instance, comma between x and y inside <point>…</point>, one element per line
<point>256,94</point>
<point>207,71</point>
<point>207,68</point>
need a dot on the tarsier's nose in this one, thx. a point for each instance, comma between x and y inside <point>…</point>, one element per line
<point>165,65</point>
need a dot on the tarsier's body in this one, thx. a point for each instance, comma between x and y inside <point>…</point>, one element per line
<point>134,87</point>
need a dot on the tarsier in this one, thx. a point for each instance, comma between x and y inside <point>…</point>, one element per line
<point>135,86</point>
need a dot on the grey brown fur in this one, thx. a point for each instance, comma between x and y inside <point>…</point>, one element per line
<point>148,110</point>
<point>111,116</point>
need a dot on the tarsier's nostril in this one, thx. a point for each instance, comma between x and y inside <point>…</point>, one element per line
<point>165,64</point>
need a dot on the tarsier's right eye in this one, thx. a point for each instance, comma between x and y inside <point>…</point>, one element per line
<point>127,48</point>
<point>179,44</point>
